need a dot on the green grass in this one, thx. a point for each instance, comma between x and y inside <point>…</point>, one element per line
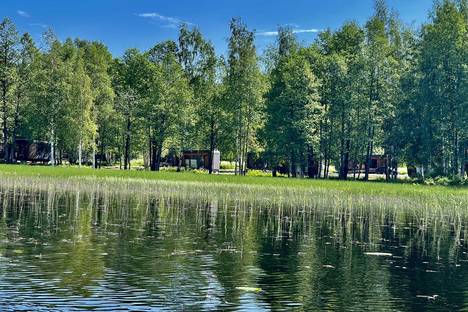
<point>354,187</point>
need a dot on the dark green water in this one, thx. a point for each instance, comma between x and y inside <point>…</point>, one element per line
<point>75,252</point>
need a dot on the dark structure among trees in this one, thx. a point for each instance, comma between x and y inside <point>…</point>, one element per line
<point>29,151</point>
<point>194,159</point>
<point>378,164</point>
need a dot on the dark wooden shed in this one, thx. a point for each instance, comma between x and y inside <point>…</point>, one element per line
<point>378,162</point>
<point>26,150</point>
<point>196,159</point>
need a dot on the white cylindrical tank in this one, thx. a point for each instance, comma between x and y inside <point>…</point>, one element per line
<point>216,165</point>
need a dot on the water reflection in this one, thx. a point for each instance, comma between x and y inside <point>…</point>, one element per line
<point>100,251</point>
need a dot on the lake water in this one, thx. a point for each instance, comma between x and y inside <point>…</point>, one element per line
<point>70,251</point>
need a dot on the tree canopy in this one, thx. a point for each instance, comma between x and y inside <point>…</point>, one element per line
<point>381,88</point>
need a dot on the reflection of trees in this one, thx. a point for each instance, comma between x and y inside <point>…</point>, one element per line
<point>195,253</point>
<point>83,266</point>
<point>233,246</point>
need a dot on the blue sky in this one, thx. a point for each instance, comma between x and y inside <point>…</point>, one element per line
<point>122,24</point>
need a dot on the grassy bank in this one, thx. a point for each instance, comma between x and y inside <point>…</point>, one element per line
<point>291,197</point>
<point>354,187</point>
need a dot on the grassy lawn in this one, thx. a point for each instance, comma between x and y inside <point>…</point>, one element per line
<point>348,186</point>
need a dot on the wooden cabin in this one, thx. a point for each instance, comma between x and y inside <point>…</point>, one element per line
<point>377,165</point>
<point>29,151</point>
<point>200,159</point>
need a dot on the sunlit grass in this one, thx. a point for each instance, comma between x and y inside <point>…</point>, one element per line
<point>355,187</point>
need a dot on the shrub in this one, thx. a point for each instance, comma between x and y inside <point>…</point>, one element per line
<point>258,173</point>
<point>228,165</point>
<point>455,180</point>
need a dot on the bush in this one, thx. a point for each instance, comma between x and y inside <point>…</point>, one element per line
<point>446,181</point>
<point>170,169</point>
<point>258,173</point>
<point>228,165</point>
<point>199,171</point>
<point>458,180</point>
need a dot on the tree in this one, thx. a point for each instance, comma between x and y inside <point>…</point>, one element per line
<point>198,59</point>
<point>49,91</point>
<point>243,91</point>
<point>355,92</point>
<point>444,91</point>
<point>81,107</point>
<point>398,122</point>
<point>129,81</point>
<point>337,60</point>
<point>377,83</point>
<point>27,56</point>
<point>170,100</point>
<point>293,108</point>
<point>9,41</point>
<point>97,64</point>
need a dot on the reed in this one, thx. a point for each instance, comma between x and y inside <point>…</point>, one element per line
<point>89,216</point>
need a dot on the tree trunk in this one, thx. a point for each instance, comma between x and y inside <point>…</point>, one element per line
<point>345,162</point>
<point>395,169</point>
<point>370,147</point>
<point>158,156</point>
<point>5,124</point>
<point>310,162</point>
<point>12,157</point>
<point>102,153</point>
<point>327,168</point>
<point>179,161</point>
<point>80,153</point>
<point>321,152</point>
<point>212,146</point>
<point>464,162</point>
<point>455,157</point>
<point>293,168</point>
<point>238,164</point>
<point>127,145</point>
<point>154,155</point>
<point>182,146</point>
<point>354,169</point>
<point>52,149</point>
<point>94,153</point>
<point>387,167</point>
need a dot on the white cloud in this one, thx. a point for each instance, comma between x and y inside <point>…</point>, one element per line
<point>23,13</point>
<point>301,31</point>
<point>267,33</point>
<point>39,25</point>
<point>168,21</point>
<point>295,31</point>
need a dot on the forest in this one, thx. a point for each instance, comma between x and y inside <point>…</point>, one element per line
<point>379,88</point>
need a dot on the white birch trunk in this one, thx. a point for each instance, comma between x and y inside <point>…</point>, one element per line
<point>52,149</point>
<point>94,155</point>
<point>80,152</point>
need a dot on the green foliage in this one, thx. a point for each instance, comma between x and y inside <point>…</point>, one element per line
<point>228,165</point>
<point>292,107</point>
<point>377,88</point>
<point>243,92</point>
<point>258,173</point>
<point>446,181</point>
<point>9,42</point>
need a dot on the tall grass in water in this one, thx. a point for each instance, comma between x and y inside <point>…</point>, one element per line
<point>351,216</point>
<point>337,193</point>
<point>293,201</point>
<point>147,230</point>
